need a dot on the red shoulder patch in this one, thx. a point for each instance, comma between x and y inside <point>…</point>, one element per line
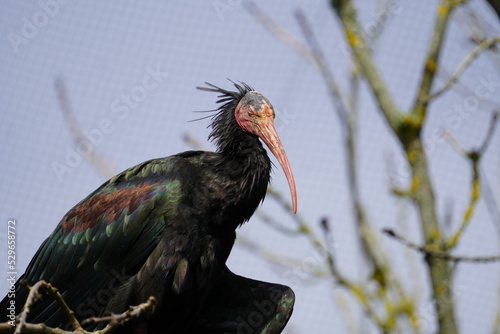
<point>85,215</point>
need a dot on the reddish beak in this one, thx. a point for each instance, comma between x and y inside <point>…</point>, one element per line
<point>267,133</point>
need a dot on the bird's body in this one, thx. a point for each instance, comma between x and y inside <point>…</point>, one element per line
<point>165,228</point>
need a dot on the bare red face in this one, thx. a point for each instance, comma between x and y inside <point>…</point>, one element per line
<point>255,115</point>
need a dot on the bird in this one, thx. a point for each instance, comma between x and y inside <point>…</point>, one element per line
<point>165,228</point>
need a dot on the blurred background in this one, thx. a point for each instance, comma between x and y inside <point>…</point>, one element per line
<point>123,75</point>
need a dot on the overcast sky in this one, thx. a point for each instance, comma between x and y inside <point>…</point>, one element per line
<point>130,70</point>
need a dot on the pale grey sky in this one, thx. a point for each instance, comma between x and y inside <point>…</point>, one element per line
<point>131,68</point>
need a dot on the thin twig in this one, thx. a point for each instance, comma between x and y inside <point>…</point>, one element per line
<point>302,225</point>
<point>382,273</point>
<point>486,44</point>
<point>323,67</point>
<point>368,246</point>
<point>134,312</point>
<point>273,223</point>
<point>444,10</point>
<point>489,134</point>
<point>348,126</point>
<point>193,142</point>
<point>282,259</point>
<point>474,156</point>
<point>491,203</point>
<point>467,215</point>
<point>356,290</point>
<point>354,37</point>
<point>97,162</point>
<point>35,295</point>
<point>462,89</point>
<point>441,254</point>
<point>22,326</point>
<point>477,28</point>
<point>282,34</point>
<point>311,53</point>
<point>453,142</point>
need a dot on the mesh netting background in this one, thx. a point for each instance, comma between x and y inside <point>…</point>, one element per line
<point>102,51</point>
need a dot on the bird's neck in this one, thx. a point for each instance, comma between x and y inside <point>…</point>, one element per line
<point>247,164</point>
<point>244,163</point>
<point>248,160</point>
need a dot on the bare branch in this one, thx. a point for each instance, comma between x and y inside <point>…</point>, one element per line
<point>134,312</point>
<point>302,225</point>
<point>35,295</point>
<point>273,223</point>
<point>193,142</point>
<point>348,125</point>
<point>102,166</point>
<point>437,253</point>
<point>356,290</point>
<point>491,203</point>
<point>311,53</point>
<point>486,44</point>
<point>114,320</point>
<point>361,52</point>
<point>489,134</point>
<point>474,156</point>
<point>454,142</point>
<point>407,127</point>
<point>279,32</point>
<point>323,68</point>
<point>444,10</point>
<point>463,89</point>
<point>282,259</point>
<point>477,28</point>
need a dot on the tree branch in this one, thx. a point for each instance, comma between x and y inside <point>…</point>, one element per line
<point>134,312</point>
<point>474,156</point>
<point>486,44</point>
<point>100,164</point>
<point>282,34</point>
<point>360,49</point>
<point>408,128</point>
<point>444,10</point>
<point>282,259</point>
<point>356,290</point>
<point>381,273</point>
<point>324,69</point>
<point>441,254</point>
<point>35,295</point>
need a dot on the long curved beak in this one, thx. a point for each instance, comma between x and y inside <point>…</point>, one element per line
<point>268,134</point>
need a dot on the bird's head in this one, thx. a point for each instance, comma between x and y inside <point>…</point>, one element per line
<point>255,114</point>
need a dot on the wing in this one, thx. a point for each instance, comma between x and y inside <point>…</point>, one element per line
<point>243,305</point>
<point>104,240</point>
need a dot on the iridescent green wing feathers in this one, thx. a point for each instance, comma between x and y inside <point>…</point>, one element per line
<point>107,237</point>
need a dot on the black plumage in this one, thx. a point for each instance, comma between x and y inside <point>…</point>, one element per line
<point>165,228</point>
